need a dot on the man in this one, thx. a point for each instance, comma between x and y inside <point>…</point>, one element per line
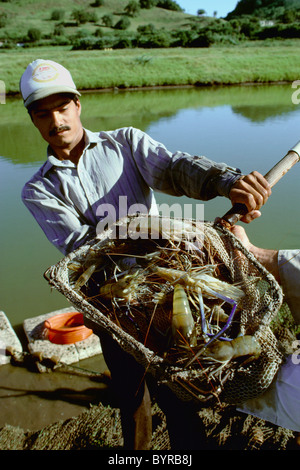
<point>280,404</point>
<point>85,171</point>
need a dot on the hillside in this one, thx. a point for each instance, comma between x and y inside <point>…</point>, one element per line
<point>282,10</point>
<point>147,24</point>
<point>79,18</point>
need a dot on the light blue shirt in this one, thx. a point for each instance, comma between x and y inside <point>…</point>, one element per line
<point>280,404</point>
<point>289,272</point>
<point>67,199</point>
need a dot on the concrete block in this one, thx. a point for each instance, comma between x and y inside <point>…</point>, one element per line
<point>8,338</point>
<point>67,353</point>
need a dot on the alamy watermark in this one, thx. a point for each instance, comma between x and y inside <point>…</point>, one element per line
<point>296,354</point>
<point>169,221</point>
<point>2,92</point>
<point>296,94</point>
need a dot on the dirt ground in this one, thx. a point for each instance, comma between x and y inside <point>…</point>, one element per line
<point>67,408</point>
<point>73,408</point>
<point>32,400</point>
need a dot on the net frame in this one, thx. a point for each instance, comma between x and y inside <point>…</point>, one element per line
<point>238,382</point>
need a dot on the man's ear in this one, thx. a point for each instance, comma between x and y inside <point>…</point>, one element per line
<point>78,105</point>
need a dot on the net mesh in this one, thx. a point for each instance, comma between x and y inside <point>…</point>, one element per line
<point>125,281</point>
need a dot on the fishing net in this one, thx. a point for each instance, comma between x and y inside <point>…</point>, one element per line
<point>131,279</point>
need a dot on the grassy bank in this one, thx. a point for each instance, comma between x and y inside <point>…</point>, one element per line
<point>260,62</point>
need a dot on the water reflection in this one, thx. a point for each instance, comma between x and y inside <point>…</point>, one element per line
<point>247,127</point>
<point>21,142</point>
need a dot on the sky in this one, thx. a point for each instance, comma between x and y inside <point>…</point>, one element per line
<point>222,7</point>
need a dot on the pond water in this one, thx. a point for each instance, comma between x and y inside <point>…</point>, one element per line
<point>249,127</point>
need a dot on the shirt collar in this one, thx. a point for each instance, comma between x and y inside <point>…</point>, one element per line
<point>91,140</point>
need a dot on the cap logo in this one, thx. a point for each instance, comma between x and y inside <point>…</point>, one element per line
<point>44,73</point>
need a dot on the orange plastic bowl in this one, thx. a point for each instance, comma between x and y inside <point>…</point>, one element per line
<point>67,328</point>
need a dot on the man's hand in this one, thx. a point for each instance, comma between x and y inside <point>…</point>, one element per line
<point>268,258</point>
<point>253,190</point>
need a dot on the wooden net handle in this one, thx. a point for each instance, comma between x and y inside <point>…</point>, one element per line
<point>273,176</point>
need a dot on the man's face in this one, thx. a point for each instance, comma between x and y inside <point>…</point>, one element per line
<point>57,117</point>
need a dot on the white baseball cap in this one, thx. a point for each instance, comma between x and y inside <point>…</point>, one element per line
<point>43,78</point>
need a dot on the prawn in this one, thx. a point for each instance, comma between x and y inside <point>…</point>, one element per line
<point>203,279</point>
<point>85,276</point>
<point>182,319</point>
<point>201,283</point>
<point>224,351</point>
<point>122,288</point>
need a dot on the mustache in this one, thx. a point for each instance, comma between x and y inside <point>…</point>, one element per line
<point>56,130</point>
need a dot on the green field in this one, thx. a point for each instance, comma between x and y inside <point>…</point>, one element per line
<point>228,61</point>
<point>96,69</point>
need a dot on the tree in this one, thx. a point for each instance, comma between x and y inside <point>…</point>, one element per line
<point>146,29</point>
<point>34,34</point>
<point>168,5</point>
<point>82,16</point>
<point>57,15</point>
<point>205,39</point>
<point>98,33</point>
<point>249,27</point>
<point>201,12</point>
<point>97,3</point>
<point>123,23</point>
<point>289,16</point>
<point>3,19</point>
<point>132,8</point>
<point>59,30</point>
<point>107,20</point>
<point>147,4</point>
<point>154,40</point>
<point>184,37</point>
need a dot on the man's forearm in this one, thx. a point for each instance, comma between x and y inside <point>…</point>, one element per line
<point>268,258</point>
